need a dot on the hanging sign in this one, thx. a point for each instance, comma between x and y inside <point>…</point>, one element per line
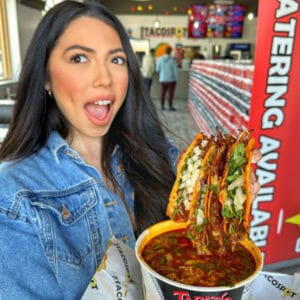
<point>163,32</point>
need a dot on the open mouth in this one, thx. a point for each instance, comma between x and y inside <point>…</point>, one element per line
<point>99,109</point>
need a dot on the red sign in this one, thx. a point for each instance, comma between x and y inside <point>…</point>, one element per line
<point>275,117</point>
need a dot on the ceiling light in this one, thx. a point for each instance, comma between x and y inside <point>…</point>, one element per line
<point>156,23</point>
<point>223,1</point>
<point>250,16</point>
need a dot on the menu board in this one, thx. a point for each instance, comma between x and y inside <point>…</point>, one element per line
<point>197,21</point>
<point>235,21</point>
<point>216,21</point>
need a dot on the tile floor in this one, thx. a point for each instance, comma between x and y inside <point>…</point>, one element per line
<point>180,123</point>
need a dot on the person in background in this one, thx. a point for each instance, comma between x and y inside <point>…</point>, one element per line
<point>168,75</point>
<point>85,157</point>
<point>199,55</point>
<point>148,68</point>
<point>130,34</point>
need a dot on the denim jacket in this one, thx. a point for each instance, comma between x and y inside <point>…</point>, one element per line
<point>56,218</point>
<point>167,69</point>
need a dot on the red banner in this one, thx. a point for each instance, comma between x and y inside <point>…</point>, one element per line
<point>275,116</point>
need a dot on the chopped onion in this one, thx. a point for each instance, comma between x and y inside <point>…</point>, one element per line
<point>200,217</point>
<point>238,182</point>
<point>239,199</point>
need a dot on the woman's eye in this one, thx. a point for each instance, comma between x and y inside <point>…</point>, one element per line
<point>119,60</point>
<point>79,58</point>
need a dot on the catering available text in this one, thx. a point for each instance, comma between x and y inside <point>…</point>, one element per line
<point>274,117</point>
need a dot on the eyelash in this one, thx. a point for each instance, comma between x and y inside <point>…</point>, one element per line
<point>123,60</point>
<point>76,56</point>
<point>119,60</point>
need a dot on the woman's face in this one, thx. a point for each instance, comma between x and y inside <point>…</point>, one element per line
<point>88,76</point>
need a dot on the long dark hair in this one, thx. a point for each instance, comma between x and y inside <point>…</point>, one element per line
<point>136,128</point>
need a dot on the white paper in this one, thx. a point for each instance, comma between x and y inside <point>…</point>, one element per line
<point>118,277</point>
<point>274,286</point>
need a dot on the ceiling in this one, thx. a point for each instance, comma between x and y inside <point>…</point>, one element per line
<point>166,7</point>
<point>153,7</point>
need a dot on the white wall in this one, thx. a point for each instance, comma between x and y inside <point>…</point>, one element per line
<point>136,22</point>
<point>28,19</point>
<point>13,39</point>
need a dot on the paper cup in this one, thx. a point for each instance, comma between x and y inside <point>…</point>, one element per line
<point>157,286</point>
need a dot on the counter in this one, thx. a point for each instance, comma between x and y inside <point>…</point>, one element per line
<point>6,107</point>
<point>219,94</point>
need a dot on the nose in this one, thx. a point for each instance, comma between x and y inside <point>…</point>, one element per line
<point>102,76</point>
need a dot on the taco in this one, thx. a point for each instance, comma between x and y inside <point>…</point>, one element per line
<point>235,191</point>
<point>212,191</point>
<point>188,171</point>
<point>205,216</point>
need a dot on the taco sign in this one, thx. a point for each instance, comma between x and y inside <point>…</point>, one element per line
<point>163,32</point>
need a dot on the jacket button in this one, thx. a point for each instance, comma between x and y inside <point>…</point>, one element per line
<point>65,213</point>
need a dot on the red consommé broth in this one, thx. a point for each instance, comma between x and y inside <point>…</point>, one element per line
<point>172,255</point>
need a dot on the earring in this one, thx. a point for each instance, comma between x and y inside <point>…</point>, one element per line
<point>50,93</point>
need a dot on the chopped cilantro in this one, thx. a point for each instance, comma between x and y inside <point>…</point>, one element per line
<point>237,159</point>
<point>228,212</point>
<point>232,177</point>
<point>239,214</point>
<point>163,260</point>
<point>214,188</point>
<point>198,228</point>
<point>176,212</point>
<point>179,200</point>
<point>190,236</point>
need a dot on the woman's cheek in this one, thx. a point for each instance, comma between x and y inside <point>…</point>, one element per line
<point>65,82</point>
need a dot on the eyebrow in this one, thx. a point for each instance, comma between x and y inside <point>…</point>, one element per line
<point>87,49</point>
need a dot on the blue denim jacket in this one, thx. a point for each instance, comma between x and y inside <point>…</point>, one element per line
<point>167,69</point>
<point>56,217</point>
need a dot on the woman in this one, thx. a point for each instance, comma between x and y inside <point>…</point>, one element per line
<point>85,156</point>
<point>148,68</point>
<point>168,75</point>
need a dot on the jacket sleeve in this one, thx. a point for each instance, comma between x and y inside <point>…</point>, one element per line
<point>158,66</point>
<point>174,154</point>
<point>175,70</point>
<point>153,66</point>
<point>144,66</point>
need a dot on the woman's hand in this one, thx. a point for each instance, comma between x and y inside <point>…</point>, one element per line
<point>254,185</point>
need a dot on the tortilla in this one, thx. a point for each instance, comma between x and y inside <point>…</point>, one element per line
<point>212,191</point>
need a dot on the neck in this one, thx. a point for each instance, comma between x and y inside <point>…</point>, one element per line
<point>90,150</point>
